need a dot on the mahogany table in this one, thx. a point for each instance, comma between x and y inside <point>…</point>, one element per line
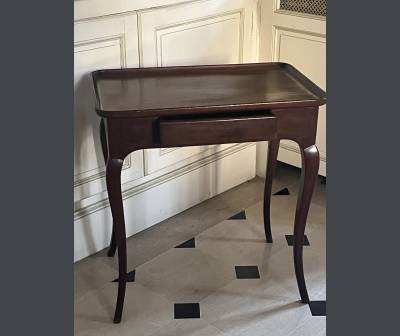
<point>204,105</point>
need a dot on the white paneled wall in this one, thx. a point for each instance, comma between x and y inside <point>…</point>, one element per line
<point>159,183</point>
<point>162,182</point>
<point>99,43</point>
<point>199,32</point>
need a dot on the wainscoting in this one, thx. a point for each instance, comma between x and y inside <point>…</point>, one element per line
<point>152,33</point>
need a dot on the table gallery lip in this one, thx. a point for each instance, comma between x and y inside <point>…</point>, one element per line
<point>137,86</point>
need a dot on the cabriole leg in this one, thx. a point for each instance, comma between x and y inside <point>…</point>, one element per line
<point>103,139</point>
<point>273,148</point>
<point>309,173</point>
<point>113,177</point>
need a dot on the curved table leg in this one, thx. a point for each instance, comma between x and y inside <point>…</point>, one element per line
<point>310,165</point>
<point>273,148</point>
<point>113,177</point>
<point>103,139</point>
<point>113,245</point>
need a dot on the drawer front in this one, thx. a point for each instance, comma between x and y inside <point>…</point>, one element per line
<point>192,131</point>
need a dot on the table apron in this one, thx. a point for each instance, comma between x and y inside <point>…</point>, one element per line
<point>125,135</point>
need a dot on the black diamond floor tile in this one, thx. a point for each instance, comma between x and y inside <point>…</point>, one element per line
<point>191,243</point>
<point>290,240</point>
<point>187,310</point>
<point>318,308</point>
<point>131,277</point>
<point>284,191</point>
<point>247,272</point>
<point>240,215</point>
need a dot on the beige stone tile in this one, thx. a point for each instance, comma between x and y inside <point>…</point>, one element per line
<point>283,209</point>
<point>313,326</point>
<point>236,310</point>
<point>93,273</point>
<point>237,242</point>
<point>184,275</point>
<point>154,241</point>
<point>278,276</point>
<point>319,194</point>
<point>164,276</point>
<point>144,312</point>
<point>190,327</point>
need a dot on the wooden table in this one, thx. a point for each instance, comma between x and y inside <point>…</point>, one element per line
<point>204,105</point>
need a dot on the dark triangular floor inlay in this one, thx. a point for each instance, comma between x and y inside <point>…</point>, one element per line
<point>191,243</point>
<point>186,310</point>
<point>130,277</point>
<point>247,272</point>
<point>240,215</point>
<point>318,308</point>
<point>284,191</point>
<point>290,240</point>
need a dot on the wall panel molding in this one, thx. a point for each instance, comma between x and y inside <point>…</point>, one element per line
<point>91,9</point>
<point>86,46</point>
<point>163,31</point>
<point>137,189</point>
<point>109,42</point>
<point>279,32</point>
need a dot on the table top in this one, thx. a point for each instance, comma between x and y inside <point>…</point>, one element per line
<point>141,92</point>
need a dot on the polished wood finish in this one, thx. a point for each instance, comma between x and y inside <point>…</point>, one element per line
<point>202,105</point>
<point>113,179</point>
<point>149,92</point>
<point>103,138</point>
<point>309,172</point>
<point>190,131</point>
<point>273,148</point>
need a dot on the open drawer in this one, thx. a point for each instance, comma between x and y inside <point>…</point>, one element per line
<point>211,129</point>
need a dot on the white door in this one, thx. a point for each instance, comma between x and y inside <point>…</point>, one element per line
<point>294,31</point>
<point>200,32</point>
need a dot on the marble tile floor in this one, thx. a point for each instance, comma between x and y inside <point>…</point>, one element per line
<point>202,273</point>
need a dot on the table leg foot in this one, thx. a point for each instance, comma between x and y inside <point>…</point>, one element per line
<point>113,177</point>
<point>117,319</point>
<point>309,173</point>
<point>273,148</point>
<point>120,302</point>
